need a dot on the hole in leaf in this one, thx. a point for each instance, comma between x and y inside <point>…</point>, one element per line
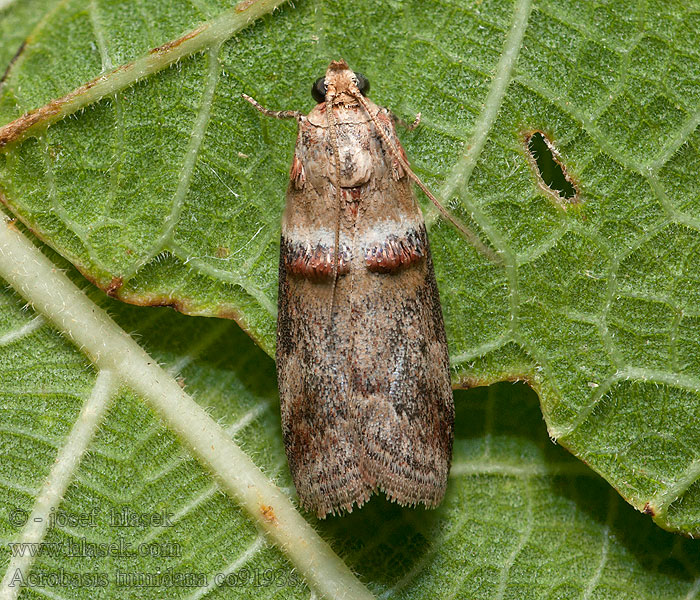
<point>549,168</point>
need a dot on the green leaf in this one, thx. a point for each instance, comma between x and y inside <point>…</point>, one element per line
<point>522,518</point>
<point>164,187</point>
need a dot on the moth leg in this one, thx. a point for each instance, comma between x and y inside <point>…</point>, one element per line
<point>276,114</point>
<point>399,121</point>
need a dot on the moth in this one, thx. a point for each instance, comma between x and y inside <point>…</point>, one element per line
<point>362,361</point>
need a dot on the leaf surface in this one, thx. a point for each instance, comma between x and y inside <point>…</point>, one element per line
<point>169,189</point>
<point>522,517</point>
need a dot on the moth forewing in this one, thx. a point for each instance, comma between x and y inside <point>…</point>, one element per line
<point>362,358</point>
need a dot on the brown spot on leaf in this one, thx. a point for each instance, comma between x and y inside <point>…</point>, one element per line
<point>15,130</point>
<point>227,312</point>
<point>175,43</point>
<point>114,286</point>
<point>268,513</point>
<point>245,5</point>
<point>169,303</point>
<point>468,382</point>
<point>182,305</point>
<point>520,377</point>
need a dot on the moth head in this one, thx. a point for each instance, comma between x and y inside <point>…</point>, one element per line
<point>341,82</point>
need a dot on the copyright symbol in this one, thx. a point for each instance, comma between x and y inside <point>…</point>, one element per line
<point>18,517</point>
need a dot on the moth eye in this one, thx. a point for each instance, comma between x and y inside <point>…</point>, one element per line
<point>362,84</point>
<point>318,90</point>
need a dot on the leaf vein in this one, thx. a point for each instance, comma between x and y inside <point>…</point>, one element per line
<point>99,35</point>
<point>60,477</point>
<point>206,35</point>
<point>227,276</point>
<point>53,294</point>
<point>605,545</point>
<point>21,332</point>
<point>462,171</point>
<point>188,164</point>
<point>249,552</point>
<point>524,538</point>
<point>679,380</point>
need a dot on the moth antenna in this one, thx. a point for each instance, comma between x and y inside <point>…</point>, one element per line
<point>275,114</point>
<point>471,237</point>
<point>409,126</point>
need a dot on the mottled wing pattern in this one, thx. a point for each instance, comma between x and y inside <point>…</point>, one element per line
<point>362,365</point>
<point>401,387</point>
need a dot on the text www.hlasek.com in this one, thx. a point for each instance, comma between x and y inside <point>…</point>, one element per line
<point>125,573</point>
<point>163,578</point>
<point>84,548</point>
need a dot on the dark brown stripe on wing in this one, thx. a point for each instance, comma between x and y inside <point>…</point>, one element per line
<point>313,262</point>
<point>396,252</point>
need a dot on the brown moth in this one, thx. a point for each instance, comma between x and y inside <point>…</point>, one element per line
<point>362,358</point>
